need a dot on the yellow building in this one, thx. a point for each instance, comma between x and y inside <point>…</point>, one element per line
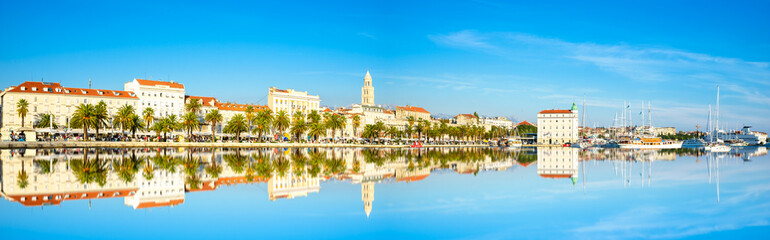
<point>292,101</point>
<point>53,98</point>
<point>416,112</point>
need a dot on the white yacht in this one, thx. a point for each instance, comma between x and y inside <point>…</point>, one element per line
<point>694,143</point>
<point>649,143</point>
<point>717,148</point>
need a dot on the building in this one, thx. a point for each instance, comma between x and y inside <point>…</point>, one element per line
<point>557,126</point>
<point>367,91</point>
<point>465,119</point>
<point>665,131</point>
<point>53,98</point>
<point>292,101</point>
<point>502,122</point>
<point>367,196</point>
<point>166,98</point>
<point>411,111</point>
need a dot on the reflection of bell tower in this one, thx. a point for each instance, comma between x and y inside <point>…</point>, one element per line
<point>367,196</point>
<point>367,91</point>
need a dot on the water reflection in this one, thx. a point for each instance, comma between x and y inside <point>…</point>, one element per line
<point>149,178</point>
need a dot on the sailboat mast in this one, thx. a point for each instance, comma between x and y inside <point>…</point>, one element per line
<point>583,121</point>
<point>716,124</point>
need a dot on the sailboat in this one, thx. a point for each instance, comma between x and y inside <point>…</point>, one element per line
<point>647,140</point>
<point>715,144</point>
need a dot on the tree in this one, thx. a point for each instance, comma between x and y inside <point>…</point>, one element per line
<point>314,117</point>
<point>22,179</point>
<point>356,124</point>
<point>101,115</point>
<point>147,115</point>
<point>213,118</point>
<point>193,106</point>
<point>46,120</point>
<point>22,108</point>
<point>237,125</point>
<point>281,122</point>
<point>263,123</point>
<point>298,125</point>
<point>123,117</point>
<point>371,132</point>
<point>84,117</point>
<point>135,123</point>
<point>250,116</point>
<point>392,131</point>
<point>317,130</point>
<point>410,120</point>
<point>168,125</point>
<point>190,121</point>
<point>335,122</point>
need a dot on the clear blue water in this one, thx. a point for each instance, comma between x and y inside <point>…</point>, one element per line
<point>479,193</point>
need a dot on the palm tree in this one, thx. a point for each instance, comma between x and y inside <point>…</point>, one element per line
<point>126,169</point>
<point>168,125</point>
<point>335,122</point>
<point>356,124</point>
<point>123,117</point>
<point>213,118</point>
<point>84,117</point>
<point>101,115</point>
<point>281,122</point>
<point>371,132</point>
<point>22,108</point>
<point>314,117</point>
<point>392,131</point>
<point>193,106</point>
<point>46,120</point>
<point>213,169</point>
<point>135,123</point>
<point>411,120</point>
<point>317,130</point>
<point>236,126</point>
<point>250,116</point>
<point>147,115</point>
<point>190,121</point>
<point>263,122</point>
<point>298,126</point>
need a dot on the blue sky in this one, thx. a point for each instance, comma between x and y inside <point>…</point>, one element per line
<point>494,58</point>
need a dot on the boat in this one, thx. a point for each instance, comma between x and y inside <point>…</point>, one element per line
<point>717,148</point>
<point>694,143</point>
<point>648,143</point>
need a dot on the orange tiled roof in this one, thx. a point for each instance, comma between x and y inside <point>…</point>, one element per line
<point>413,178</point>
<point>205,101</point>
<point>160,204</point>
<point>28,202</point>
<point>413,109</point>
<point>159,83</point>
<point>556,175</point>
<point>525,123</point>
<point>556,111</point>
<point>239,107</point>
<point>280,90</point>
<point>525,164</point>
<point>327,110</point>
<point>386,111</point>
<point>465,115</point>
<point>56,88</point>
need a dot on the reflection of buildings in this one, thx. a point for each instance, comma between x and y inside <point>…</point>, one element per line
<point>558,163</point>
<point>61,184</point>
<point>290,186</point>
<point>404,175</point>
<point>164,189</point>
<point>367,196</point>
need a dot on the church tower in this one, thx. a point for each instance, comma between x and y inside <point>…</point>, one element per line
<point>367,91</point>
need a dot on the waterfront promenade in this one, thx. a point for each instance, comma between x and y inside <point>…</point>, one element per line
<point>81,144</point>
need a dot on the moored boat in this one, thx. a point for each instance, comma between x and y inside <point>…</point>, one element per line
<point>649,143</point>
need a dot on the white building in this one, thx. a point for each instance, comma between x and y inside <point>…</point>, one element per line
<point>164,189</point>
<point>497,121</point>
<point>292,101</point>
<point>557,126</point>
<point>166,98</point>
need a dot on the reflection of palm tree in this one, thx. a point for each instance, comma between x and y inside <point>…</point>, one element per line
<point>46,167</point>
<point>282,166</point>
<point>90,171</point>
<point>213,169</point>
<point>22,179</point>
<point>148,170</point>
<point>126,169</point>
<point>236,162</point>
<point>265,169</point>
<point>356,166</point>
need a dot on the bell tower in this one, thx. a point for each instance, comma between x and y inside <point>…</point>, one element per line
<point>367,91</point>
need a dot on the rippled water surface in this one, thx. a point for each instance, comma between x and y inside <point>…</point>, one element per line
<point>541,193</point>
